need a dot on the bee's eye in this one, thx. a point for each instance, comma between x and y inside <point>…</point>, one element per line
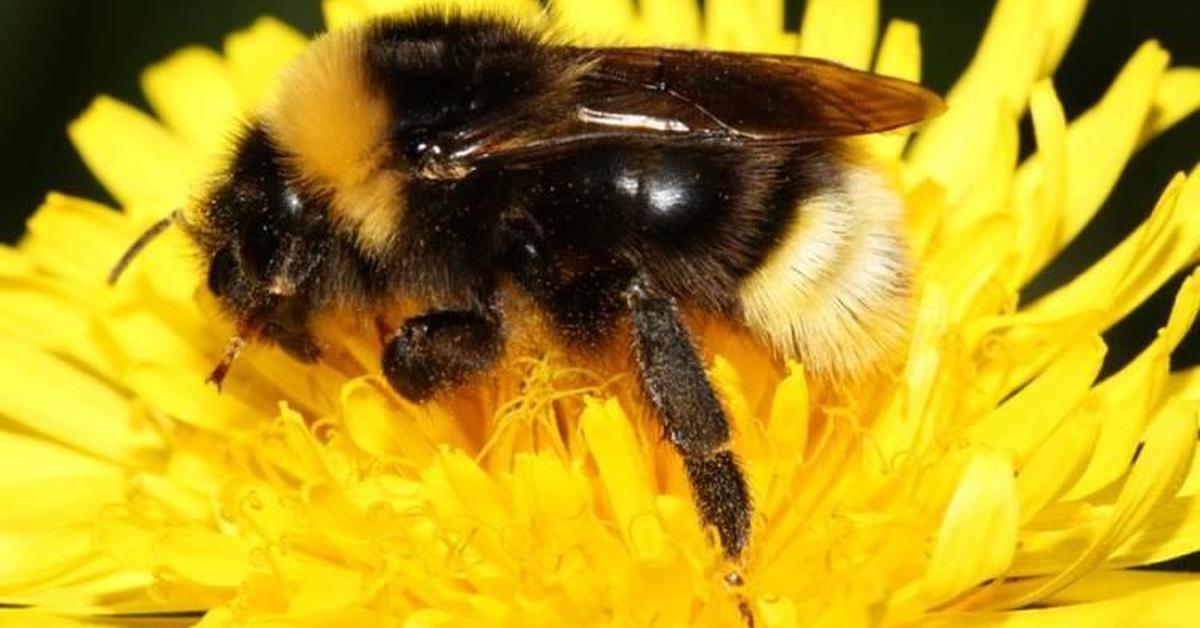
<point>222,271</point>
<point>415,149</point>
<point>260,243</point>
<point>420,146</point>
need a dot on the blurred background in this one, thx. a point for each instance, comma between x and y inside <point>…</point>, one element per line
<point>56,55</point>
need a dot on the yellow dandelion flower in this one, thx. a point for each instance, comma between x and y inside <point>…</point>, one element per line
<point>992,482</point>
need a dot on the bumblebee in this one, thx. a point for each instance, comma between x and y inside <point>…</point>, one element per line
<point>445,160</point>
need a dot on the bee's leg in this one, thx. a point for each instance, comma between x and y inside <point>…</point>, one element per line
<point>674,379</point>
<point>439,349</point>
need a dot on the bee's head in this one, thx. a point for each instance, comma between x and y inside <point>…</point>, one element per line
<point>265,237</point>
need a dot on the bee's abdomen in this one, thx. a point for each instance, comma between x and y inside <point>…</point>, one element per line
<point>695,220</point>
<point>834,293</point>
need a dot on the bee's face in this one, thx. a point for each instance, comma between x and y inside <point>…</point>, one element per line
<point>264,247</point>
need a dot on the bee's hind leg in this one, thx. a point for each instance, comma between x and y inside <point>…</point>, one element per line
<point>673,378</point>
<point>439,349</point>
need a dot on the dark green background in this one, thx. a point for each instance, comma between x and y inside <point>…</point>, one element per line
<point>55,55</point>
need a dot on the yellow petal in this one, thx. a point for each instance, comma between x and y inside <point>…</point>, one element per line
<point>125,541</point>
<point>42,559</point>
<point>900,51</point>
<point>840,30</point>
<point>672,22</point>
<point>381,7</point>
<point>330,590</point>
<point>17,617</point>
<point>1108,583</point>
<point>49,396</point>
<point>515,9</point>
<point>1165,457</point>
<point>470,504</point>
<point>978,534</point>
<point>925,201</point>
<point>545,487</point>
<point>381,425</point>
<point>44,312</point>
<point>65,500</point>
<point>1177,97</point>
<point>985,192</point>
<point>342,13</point>
<point>13,263</point>
<point>1172,531</point>
<point>1100,142</point>
<point>1024,421</point>
<point>67,236</point>
<point>1191,484</point>
<point>310,388</point>
<point>787,426</point>
<point>203,557</point>
<point>1062,20</point>
<point>1122,404</point>
<point>600,23</point>
<point>194,95</point>
<point>188,398</point>
<point>137,160</point>
<point>1024,41</point>
<point>899,56</point>
<point>745,26</point>
<point>1058,463</point>
<point>980,169</point>
<point>474,493</point>
<point>1125,400</point>
<point>619,462</point>
<point>1111,288</point>
<point>969,268</point>
<point>257,55</point>
<point>1040,191</point>
<point>178,343</point>
<point>1017,49</point>
<point>100,588</point>
<point>53,483</point>
<point>28,458</point>
<point>1170,605</point>
<point>909,421</point>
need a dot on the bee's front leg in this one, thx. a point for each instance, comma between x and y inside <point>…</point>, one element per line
<point>673,377</point>
<point>439,349</point>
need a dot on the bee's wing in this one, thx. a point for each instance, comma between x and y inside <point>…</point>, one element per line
<point>753,97</point>
<point>671,95</point>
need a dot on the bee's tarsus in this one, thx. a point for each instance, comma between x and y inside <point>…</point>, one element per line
<point>734,580</point>
<point>747,613</point>
<point>232,350</point>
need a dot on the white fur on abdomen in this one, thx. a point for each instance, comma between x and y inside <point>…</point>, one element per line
<point>835,293</point>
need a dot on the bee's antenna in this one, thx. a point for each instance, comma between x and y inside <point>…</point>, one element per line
<point>231,353</point>
<point>147,236</point>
